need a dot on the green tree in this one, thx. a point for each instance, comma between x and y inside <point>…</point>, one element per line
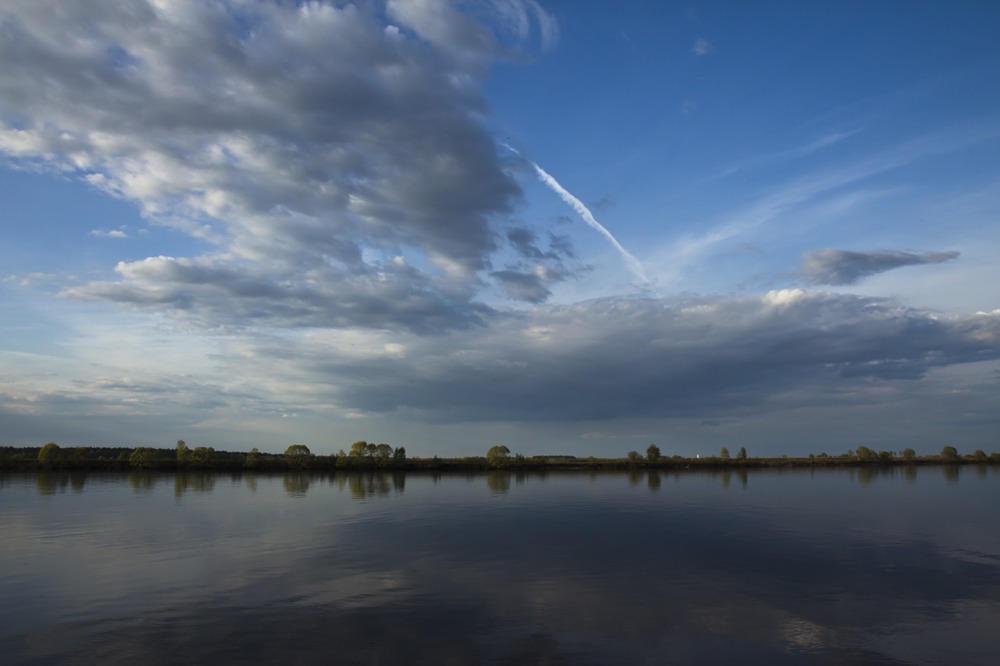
<point>864,453</point>
<point>143,457</point>
<point>298,454</point>
<point>724,453</point>
<point>909,454</point>
<point>498,455</point>
<point>251,460</point>
<point>742,455</point>
<point>949,453</point>
<point>183,452</point>
<point>382,453</point>
<point>652,453</point>
<point>634,457</point>
<point>49,454</point>
<point>359,449</point>
<point>399,455</point>
<point>201,455</point>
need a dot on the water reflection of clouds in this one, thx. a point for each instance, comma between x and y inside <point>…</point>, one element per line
<point>560,568</point>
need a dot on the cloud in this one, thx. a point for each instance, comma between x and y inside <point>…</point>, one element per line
<point>529,278</point>
<point>760,367</point>
<point>442,25</point>
<point>529,287</point>
<point>108,233</point>
<point>703,358</point>
<point>523,240</point>
<point>634,265</point>
<point>311,144</point>
<point>216,293</point>
<point>795,152</point>
<point>842,267</point>
<point>702,47</point>
<point>805,191</point>
<point>31,279</point>
<point>468,32</point>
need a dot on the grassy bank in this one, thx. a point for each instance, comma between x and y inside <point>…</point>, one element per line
<point>298,457</point>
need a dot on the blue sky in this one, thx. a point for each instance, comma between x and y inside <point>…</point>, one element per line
<point>570,227</point>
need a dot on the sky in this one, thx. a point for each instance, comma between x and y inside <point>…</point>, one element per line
<point>570,227</point>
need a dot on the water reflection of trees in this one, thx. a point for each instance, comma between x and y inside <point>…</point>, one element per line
<point>195,481</point>
<point>49,483</point>
<point>635,476</point>
<point>142,480</point>
<point>498,482</point>
<point>296,483</point>
<point>363,485</point>
<point>866,475</point>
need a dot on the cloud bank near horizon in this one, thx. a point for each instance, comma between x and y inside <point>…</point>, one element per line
<point>714,359</point>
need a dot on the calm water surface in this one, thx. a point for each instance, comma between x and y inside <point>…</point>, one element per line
<point>827,567</point>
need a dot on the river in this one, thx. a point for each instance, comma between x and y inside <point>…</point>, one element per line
<point>858,566</point>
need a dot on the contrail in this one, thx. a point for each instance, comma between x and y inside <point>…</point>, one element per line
<point>588,217</point>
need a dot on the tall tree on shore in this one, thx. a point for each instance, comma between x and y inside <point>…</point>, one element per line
<point>498,455</point>
<point>49,454</point>
<point>298,455</point>
<point>949,453</point>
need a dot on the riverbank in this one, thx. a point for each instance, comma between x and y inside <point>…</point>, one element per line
<point>123,459</point>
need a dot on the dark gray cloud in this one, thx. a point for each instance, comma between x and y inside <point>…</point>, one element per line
<point>525,242</point>
<point>213,293</point>
<point>313,137</point>
<point>530,278</point>
<point>840,267</point>
<point>810,366</point>
<point>617,358</point>
<point>519,286</point>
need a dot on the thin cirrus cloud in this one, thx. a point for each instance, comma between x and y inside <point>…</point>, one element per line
<point>702,47</point>
<point>845,267</point>
<point>763,210</point>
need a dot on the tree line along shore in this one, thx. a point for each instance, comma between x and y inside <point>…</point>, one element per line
<point>365,455</point>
